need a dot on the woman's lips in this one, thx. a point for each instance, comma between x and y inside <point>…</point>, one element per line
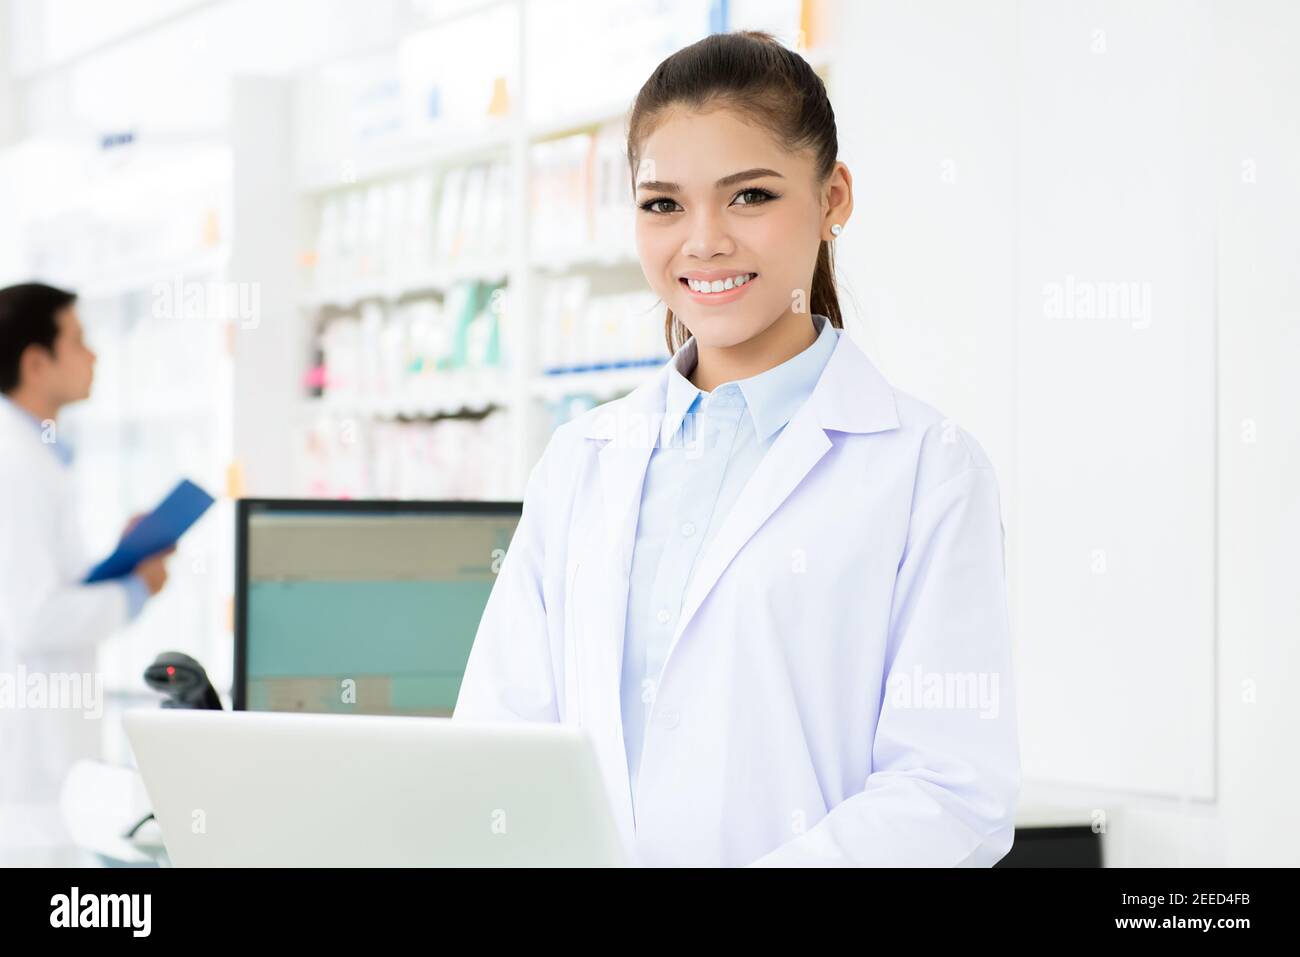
<point>717,298</point>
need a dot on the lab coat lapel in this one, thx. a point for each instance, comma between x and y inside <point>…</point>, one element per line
<point>850,396</point>
<point>628,429</point>
<point>792,456</point>
<point>622,472</point>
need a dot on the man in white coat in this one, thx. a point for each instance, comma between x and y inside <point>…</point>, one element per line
<point>50,623</point>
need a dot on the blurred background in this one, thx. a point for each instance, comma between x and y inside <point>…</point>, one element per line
<point>381,249</point>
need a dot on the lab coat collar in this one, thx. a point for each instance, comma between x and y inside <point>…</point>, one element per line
<point>40,431</point>
<point>851,396</point>
<point>771,396</point>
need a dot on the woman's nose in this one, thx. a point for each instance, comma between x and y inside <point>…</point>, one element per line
<point>707,237</point>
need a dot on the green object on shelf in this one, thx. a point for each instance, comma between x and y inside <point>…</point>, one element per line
<point>477,333</point>
<point>490,316</point>
<point>461,306</point>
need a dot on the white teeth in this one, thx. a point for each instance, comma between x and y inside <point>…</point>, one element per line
<point>719,285</point>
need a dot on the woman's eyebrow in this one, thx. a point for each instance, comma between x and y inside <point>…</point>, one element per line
<point>663,187</point>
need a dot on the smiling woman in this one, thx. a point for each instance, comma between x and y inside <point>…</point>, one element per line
<point>735,577</point>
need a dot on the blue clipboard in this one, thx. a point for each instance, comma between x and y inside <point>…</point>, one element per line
<point>156,532</point>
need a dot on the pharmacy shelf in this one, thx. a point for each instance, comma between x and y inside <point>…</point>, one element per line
<point>496,270</point>
<point>610,111</point>
<point>475,147</point>
<point>347,295</point>
<point>463,149</point>
<point>132,277</point>
<point>164,410</point>
<point>447,395</point>
<point>601,383</point>
<point>567,260</point>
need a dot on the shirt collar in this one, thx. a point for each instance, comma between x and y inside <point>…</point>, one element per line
<point>59,447</point>
<point>772,397</point>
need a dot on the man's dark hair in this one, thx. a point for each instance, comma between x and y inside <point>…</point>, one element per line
<point>28,316</point>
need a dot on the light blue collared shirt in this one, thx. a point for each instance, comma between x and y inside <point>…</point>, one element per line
<point>137,592</point>
<point>708,449</point>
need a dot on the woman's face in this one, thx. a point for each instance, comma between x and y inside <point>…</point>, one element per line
<point>720,201</point>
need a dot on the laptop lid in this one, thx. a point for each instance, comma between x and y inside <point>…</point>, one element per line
<point>250,789</point>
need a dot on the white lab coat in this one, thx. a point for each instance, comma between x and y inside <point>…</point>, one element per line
<point>49,624</point>
<point>866,548</point>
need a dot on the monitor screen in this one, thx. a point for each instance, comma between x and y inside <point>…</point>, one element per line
<point>362,607</point>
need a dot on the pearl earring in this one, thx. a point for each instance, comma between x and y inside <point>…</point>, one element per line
<point>836,229</point>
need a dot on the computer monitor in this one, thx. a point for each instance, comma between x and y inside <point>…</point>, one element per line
<point>361,607</point>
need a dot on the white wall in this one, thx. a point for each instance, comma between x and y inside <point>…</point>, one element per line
<point>1007,154</point>
<point>1115,399</point>
<point>924,98</point>
<point>1257,108</point>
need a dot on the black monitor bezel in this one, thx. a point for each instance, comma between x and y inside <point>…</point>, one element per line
<point>245,507</point>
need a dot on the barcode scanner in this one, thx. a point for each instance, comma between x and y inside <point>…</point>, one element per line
<point>183,681</point>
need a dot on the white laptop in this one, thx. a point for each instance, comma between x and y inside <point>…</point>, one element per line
<point>250,789</point>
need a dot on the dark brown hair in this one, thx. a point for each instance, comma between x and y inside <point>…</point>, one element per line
<point>29,316</point>
<point>752,72</point>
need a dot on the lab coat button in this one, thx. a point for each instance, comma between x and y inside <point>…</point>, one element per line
<point>663,616</point>
<point>688,529</point>
<point>669,719</point>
